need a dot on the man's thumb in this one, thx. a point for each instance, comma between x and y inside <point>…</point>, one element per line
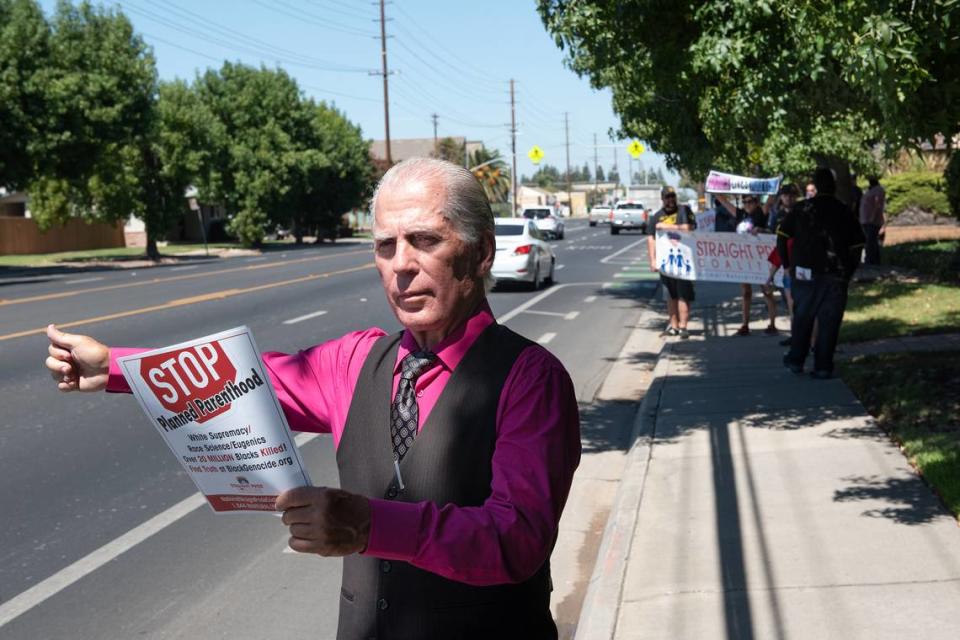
<point>61,339</point>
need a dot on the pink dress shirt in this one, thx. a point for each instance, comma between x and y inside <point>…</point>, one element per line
<point>510,536</point>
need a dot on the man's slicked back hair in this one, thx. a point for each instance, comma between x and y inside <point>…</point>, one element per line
<point>465,204</point>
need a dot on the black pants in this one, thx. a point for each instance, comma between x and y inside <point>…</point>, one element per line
<point>823,300</point>
<point>871,233</point>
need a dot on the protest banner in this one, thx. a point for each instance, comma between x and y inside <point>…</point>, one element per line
<point>212,402</point>
<point>716,257</point>
<point>707,220</point>
<point>718,182</point>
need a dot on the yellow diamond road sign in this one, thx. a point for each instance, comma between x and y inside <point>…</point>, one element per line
<point>635,148</point>
<point>535,154</point>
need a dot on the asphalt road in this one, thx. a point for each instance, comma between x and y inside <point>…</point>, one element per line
<point>103,535</point>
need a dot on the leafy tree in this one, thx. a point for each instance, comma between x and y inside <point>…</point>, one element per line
<point>450,150</point>
<point>600,175</point>
<point>614,176</point>
<point>546,177</point>
<point>99,87</point>
<point>585,174</point>
<point>772,86</point>
<point>262,152</point>
<point>24,52</point>
<point>338,177</point>
<point>494,175</point>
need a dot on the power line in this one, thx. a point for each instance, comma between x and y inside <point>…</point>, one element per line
<point>350,14</point>
<point>306,16</point>
<point>459,71</point>
<point>208,38</point>
<point>443,74</point>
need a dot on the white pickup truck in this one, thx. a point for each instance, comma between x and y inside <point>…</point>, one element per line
<point>600,214</point>
<point>628,214</point>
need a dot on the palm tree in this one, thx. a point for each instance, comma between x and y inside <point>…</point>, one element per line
<point>493,173</point>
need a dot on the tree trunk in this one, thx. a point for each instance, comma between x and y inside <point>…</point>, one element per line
<point>153,253</point>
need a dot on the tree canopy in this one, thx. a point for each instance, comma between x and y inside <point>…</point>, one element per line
<point>768,85</point>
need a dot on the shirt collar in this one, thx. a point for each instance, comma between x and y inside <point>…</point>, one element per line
<point>451,349</point>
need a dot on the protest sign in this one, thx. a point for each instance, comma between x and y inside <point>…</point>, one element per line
<point>213,404</point>
<point>716,257</point>
<point>707,220</point>
<point>718,182</point>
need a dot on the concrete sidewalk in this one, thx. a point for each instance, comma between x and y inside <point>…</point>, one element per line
<point>760,504</point>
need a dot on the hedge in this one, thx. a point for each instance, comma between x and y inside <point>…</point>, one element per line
<point>924,190</point>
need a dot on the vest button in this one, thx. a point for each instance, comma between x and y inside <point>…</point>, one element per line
<point>392,492</point>
<point>385,566</point>
<point>382,604</point>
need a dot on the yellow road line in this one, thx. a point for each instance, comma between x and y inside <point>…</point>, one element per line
<point>182,302</point>
<point>190,276</point>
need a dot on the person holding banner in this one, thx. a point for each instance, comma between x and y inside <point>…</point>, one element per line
<point>751,219</point>
<point>680,294</point>
<point>827,241</point>
<point>456,439</point>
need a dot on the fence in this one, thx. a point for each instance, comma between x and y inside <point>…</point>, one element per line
<point>22,236</point>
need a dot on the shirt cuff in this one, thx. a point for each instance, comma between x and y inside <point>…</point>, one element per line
<point>116,383</point>
<point>394,530</point>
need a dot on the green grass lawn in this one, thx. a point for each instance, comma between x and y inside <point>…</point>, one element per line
<point>116,254</point>
<point>937,259</point>
<point>892,308</point>
<point>920,409</point>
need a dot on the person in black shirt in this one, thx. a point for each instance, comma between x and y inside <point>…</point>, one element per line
<point>753,213</point>
<point>680,292</point>
<point>827,241</point>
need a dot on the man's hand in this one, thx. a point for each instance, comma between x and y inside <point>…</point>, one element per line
<point>330,522</point>
<point>77,363</point>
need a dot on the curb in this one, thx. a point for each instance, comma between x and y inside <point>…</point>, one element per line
<point>601,605</point>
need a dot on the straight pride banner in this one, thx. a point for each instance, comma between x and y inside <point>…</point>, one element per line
<point>716,257</point>
<point>728,183</point>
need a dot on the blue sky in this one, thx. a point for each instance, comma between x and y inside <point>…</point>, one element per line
<point>453,58</point>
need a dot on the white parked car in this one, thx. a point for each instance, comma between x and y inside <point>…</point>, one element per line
<point>522,253</point>
<point>548,223</point>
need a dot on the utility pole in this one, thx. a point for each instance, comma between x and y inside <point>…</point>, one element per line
<point>513,144</point>
<point>566,129</point>
<point>434,117</point>
<point>386,94</point>
<point>616,155</point>
<point>595,168</point>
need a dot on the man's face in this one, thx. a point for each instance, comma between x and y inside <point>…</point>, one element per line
<point>787,200</point>
<point>670,202</point>
<point>432,278</point>
<point>811,191</point>
<point>750,203</point>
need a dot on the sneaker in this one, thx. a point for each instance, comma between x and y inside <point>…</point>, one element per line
<point>771,330</point>
<point>670,332</point>
<point>684,334</point>
<point>743,331</point>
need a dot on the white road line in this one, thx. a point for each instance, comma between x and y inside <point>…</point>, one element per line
<point>616,253</point>
<point>82,280</point>
<point>185,268</point>
<point>513,313</point>
<point>62,579</point>
<point>546,313</point>
<point>572,315</point>
<point>590,299</point>
<point>256,259</point>
<point>91,562</point>
<point>315,314</point>
<point>546,338</point>
<point>560,266</point>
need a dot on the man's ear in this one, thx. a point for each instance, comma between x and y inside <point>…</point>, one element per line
<point>486,252</point>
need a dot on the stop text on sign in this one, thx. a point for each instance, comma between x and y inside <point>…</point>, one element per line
<point>182,378</point>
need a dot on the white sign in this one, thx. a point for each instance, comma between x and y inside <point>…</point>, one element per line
<point>718,182</point>
<point>716,257</point>
<point>213,404</point>
<point>707,220</point>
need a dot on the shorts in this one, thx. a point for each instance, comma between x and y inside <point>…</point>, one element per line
<point>786,282</point>
<point>677,288</point>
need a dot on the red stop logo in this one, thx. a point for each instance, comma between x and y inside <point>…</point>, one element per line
<point>195,373</point>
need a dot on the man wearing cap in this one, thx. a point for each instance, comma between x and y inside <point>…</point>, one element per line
<point>456,439</point>
<point>672,217</point>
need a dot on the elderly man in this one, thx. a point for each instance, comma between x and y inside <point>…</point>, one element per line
<point>456,438</point>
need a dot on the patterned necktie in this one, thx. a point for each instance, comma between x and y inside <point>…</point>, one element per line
<point>404,415</point>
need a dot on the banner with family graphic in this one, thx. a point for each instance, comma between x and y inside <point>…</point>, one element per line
<point>718,182</point>
<point>716,257</point>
